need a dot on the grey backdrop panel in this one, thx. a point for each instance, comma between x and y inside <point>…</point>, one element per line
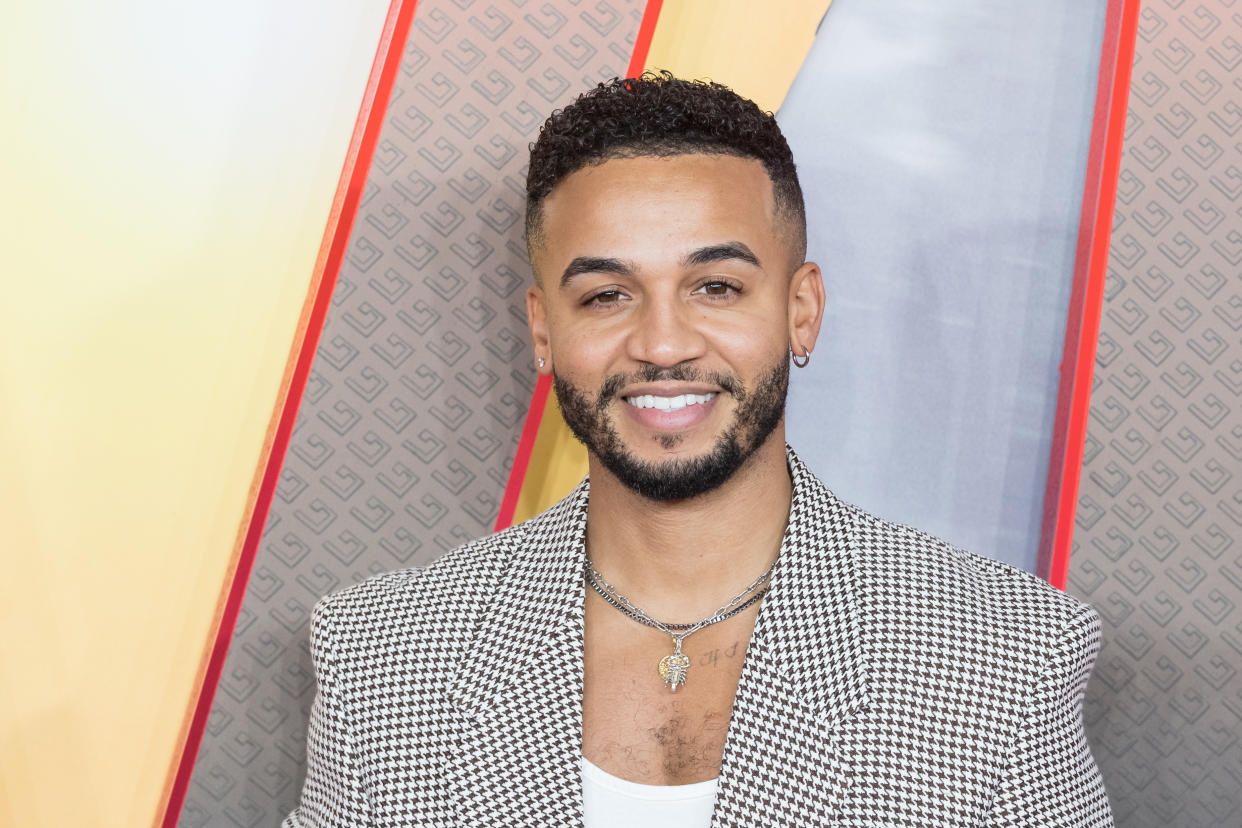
<point>422,379</point>
<point>943,148</point>
<point>1158,541</point>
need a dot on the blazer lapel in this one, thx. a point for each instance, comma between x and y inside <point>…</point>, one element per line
<point>804,681</point>
<point>520,693</point>
<point>519,737</point>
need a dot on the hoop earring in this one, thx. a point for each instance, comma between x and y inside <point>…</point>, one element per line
<point>805,359</point>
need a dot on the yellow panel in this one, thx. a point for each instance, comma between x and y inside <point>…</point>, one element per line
<point>558,461</point>
<point>756,49</point>
<point>168,173</point>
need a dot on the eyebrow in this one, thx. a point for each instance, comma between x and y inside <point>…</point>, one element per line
<point>595,264</point>
<point>726,251</point>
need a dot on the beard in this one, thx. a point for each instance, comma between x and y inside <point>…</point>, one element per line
<point>757,414</point>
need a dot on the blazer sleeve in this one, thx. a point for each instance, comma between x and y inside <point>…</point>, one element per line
<point>333,794</point>
<point>1051,779</point>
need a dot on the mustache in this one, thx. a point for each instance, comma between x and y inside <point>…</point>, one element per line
<point>676,373</point>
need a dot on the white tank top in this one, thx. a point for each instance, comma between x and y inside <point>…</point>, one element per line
<point>612,802</point>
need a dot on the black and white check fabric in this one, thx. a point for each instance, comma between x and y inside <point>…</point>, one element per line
<point>892,680</point>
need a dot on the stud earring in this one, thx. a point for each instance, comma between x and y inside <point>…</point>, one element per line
<point>541,362</point>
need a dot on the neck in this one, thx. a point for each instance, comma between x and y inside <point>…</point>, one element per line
<point>681,560</point>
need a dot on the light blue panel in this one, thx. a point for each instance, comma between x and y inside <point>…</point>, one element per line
<point>942,148</point>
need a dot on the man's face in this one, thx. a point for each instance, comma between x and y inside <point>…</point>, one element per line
<point>664,303</point>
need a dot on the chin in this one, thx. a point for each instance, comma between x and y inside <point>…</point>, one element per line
<point>674,446</point>
<point>674,476</point>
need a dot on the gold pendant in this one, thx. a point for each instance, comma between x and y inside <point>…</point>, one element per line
<point>674,666</point>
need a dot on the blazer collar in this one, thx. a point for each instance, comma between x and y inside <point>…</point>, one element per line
<point>535,610</point>
<point>787,754</point>
<point>809,632</point>
<point>522,683</point>
<point>517,757</point>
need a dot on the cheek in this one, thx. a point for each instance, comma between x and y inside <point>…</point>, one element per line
<point>745,344</point>
<point>582,350</point>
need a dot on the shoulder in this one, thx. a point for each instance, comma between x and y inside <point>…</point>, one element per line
<point>916,588</point>
<point>926,588</point>
<point>443,599</point>
<point>441,605</point>
<point>968,637</point>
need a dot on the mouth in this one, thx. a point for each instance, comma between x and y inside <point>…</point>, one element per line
<point>668,403</point>
<point>669,409</point>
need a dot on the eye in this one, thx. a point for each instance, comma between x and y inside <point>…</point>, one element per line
<point>718,289</point>
<point>604,297</point>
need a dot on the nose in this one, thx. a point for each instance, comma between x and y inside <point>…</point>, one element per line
<point>665,333</point>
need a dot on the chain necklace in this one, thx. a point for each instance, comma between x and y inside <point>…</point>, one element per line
<point>675,666</point>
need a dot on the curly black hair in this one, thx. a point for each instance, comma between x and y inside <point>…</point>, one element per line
<point>658,114</point>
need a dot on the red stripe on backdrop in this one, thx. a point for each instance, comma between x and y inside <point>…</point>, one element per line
<point>642,42</point>
<point>297,370</point>
<point>526,447</point>
<point>539,399</point>
<point>1087,294</point>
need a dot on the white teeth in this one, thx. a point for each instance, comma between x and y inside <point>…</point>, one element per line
<point>668,403</point>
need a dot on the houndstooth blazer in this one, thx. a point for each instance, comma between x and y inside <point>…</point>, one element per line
<point>891,680</point>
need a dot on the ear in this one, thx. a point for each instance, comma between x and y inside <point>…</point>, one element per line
<point>806,307</point>
<point>537,319</point>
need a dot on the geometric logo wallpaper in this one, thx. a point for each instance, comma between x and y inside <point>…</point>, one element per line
<point>1158,540</point>
<point>419,389</point>
<point>420,385</point>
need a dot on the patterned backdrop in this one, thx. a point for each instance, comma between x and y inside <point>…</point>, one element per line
<point>1158,543</point>
<point>418,393</point>
<point>422,379</point>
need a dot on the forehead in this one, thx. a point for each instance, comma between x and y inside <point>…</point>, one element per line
<point>678,201</point>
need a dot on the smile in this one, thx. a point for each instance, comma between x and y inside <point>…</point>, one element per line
<point>668,403</point>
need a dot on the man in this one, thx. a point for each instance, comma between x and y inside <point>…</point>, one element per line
<point>703,634</point>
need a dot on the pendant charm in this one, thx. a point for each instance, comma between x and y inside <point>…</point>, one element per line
<point>673,668</point>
